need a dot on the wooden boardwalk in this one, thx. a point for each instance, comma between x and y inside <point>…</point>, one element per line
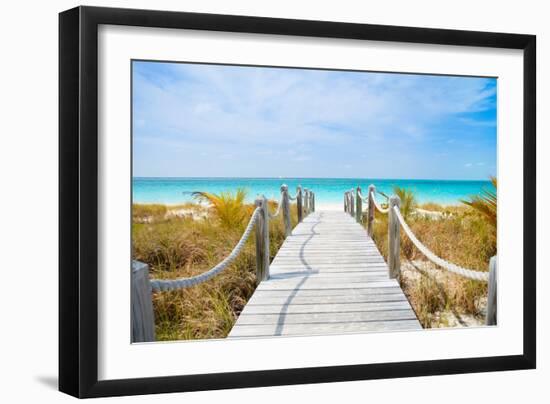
<point>327,278</point>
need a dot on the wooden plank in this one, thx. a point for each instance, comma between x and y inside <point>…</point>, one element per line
<point>322,329</point>
<point>319,282</point>
<point>302,305</point>
<point>328,267</point>
<point>328,317</point>
<point>331,267</point>
<point>341,254</point>
<point>328,277</point>
<point>320,292</point>
<point>303,284</point>
<point>312,280</point>
<point>360,274</point>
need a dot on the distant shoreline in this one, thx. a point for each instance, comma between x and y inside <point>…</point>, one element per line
<point>312,178</point>
<point>318,206</point>
<point>328,191</point>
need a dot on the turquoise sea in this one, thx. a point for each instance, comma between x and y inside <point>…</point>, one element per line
<point>327,190</point>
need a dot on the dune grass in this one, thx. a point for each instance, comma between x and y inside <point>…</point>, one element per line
<point>467,237</point>
<point>145,212</point>
<point>229,207</point>
<point>185,246</point>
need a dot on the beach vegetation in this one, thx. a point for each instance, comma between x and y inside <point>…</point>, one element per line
<point>408,200</point>
<point>145,212</point>
<point>485,203</point>
<point>177,246</point>
<point>466,236</point>
<point>229,208</point>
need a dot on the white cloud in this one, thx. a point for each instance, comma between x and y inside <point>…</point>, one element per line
<point>293,115</point>
<point>290,106</point>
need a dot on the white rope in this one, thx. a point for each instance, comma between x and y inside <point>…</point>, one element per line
<point>449,266</point>
<point>171,284</point>
<point>360,195</point>
<point>274,215</point>
<point>382,210</point>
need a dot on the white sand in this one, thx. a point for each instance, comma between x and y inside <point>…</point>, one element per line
<point>191,213</point>
<point>329,206</point>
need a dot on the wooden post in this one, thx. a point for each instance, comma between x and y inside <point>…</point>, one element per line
<point>358,205</point>
<point>371,208</point>
<point>262,241</point>
<point>143,319</point>
<point>286,210</point>
<point>393,238</point>
<point>346,202</point>
<point>306,202</point>
<point>299,202</point>
<point>312,202</point>
<point>351,204</point>
<point>491,316</point>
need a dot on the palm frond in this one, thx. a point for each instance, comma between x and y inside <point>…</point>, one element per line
<point>229,207</point>
<point>408,200</point>
<point>485,203</point>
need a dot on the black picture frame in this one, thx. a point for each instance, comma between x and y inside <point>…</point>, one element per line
<point>78,200</point>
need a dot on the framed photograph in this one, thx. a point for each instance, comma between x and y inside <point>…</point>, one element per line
<point>250,201</point>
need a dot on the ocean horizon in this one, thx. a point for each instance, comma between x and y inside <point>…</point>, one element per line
<point>176,190</point>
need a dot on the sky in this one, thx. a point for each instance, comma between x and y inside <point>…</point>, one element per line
<point>197,120</point>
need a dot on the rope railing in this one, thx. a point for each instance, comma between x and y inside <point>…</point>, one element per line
<point>353,206</point>
<point>143,326</point>
<point>180,283</point>
<point>449,266</point>
<point>360,195</point>
<point>377,206</point>
<point>278,211</point>
<point>283,205</point>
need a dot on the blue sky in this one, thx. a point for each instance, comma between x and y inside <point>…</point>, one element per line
<point>192,120</point>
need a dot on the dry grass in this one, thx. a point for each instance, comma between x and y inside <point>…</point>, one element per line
<point>485,203</point>
<point>466,238</point>
<point>144,212</point>
<point>180,247</point>
<point>427,300</point>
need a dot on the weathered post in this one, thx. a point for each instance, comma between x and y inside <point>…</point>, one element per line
<point>371,208</point>
<point>299,202</point>
<point>306,202</point>
<point>358,205</point>
<point>312,202</point>
<point>393,238</point>
<point>346,202</point>
<point>286,210</point>
<point>491,316</point>
<point>351,203</point>
<point>143,320</point>
<point>262,240</point>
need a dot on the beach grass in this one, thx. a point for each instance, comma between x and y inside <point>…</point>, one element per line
<point>187,244</point>
<point>187,239</point>
<point>464,236</point>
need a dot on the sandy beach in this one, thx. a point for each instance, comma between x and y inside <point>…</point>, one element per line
<point>329,206</point>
